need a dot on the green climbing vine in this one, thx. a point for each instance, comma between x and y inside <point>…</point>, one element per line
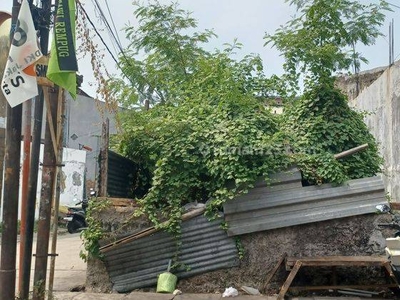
<point>94,232</point>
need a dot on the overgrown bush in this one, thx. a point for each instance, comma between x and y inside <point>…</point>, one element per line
<point>323,125</point>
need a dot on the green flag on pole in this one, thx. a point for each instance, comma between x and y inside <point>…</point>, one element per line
<point>62,63</point>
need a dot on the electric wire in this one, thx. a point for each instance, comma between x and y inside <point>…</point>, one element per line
<point>116,39</point>
<point>108,27</point>
<point>112,21</point>
<point>100,17</point>
<point>103,42</point>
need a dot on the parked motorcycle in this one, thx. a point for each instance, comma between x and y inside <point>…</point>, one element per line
<point>76,215</point>
<point>395,223</point>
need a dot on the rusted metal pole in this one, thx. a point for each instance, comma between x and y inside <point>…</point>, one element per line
<point>11,191</point>
<point>46,196</point>
<point>25,269</point>
<point>56,202</point>
<point>105,137</point>
<point>26,161</point>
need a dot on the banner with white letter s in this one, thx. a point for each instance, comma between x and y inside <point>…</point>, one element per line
<point>19,79</point>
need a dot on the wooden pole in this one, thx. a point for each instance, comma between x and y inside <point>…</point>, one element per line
<point>56,201</point>
<point>105,135</point>
<point>11,190</point>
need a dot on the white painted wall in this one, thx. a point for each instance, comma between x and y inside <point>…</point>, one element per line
<point>73,175</point>
<point>382,100</point>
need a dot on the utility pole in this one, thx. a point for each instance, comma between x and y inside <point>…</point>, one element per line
<point>11,190</point>
<point>105,137</point>
<point>46,197</point>
<point>26,161</point>
<point>26,251</point>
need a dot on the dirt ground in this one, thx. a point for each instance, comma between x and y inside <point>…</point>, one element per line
<point>348,236</point>
<point>358,235</point>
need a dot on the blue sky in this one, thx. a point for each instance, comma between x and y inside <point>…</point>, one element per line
<point>245,20</point>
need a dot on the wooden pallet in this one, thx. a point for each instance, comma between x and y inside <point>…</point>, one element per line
<point>294,264</point>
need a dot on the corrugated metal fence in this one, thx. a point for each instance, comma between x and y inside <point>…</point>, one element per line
<point>286,203</point>
<point>121,176</point>
<point>205,247</point>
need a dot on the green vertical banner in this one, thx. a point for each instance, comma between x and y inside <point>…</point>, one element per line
<point>62,63</point>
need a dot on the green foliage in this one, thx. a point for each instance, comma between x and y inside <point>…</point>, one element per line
<point>240,247</point>
<point>200,150</point>
<point>323,39</point>
<point>165,64</point>
<point>94,232</point>
<point>324,125</point>
<point>316,45</point>
<point>209,136</point>
<point>161,37</point>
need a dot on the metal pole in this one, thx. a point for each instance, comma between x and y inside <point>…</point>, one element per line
<point>32,191</point>
<point>11,191</point>
<point>60,123</point>
<point>46,196</point>
<point>25,269</point>
<point>26,160</point>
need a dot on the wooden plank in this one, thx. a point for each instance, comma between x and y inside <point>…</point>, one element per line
<point>389,271</point>
<point>118,201</point>
<point>292,260</point>
<point>331,261</point>
<point>395,205</point>
<point>148,231</point>
<point>274,270</point>
<point>340,287</point>
<point>289,280</point>
<point>336,261</point>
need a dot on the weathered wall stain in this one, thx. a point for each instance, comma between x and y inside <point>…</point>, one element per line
<point>76,178</point>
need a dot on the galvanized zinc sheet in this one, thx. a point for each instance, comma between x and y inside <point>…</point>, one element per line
<point>121,176</point>
<point>205,247</point>
<point>265,208</point>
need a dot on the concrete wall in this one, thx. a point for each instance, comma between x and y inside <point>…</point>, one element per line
<point>348,83</point>
<point>351,236</point>
<point>381,100</point>
<point>83,126</point>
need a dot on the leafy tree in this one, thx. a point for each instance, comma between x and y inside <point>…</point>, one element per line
<point>160,54</point>
<point>323,38</point>
<point>324,125</point>
<point>318,43</point>
<point>213,145</point>
<point>165,60</point>
<point>209,134</point>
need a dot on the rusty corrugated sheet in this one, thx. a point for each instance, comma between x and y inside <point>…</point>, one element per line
<point>205,247</point>
<point>265,208</point>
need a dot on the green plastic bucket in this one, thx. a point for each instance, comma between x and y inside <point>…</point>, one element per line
<point>166,282</point>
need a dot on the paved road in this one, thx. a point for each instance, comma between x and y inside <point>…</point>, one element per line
<point>70,269</point>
